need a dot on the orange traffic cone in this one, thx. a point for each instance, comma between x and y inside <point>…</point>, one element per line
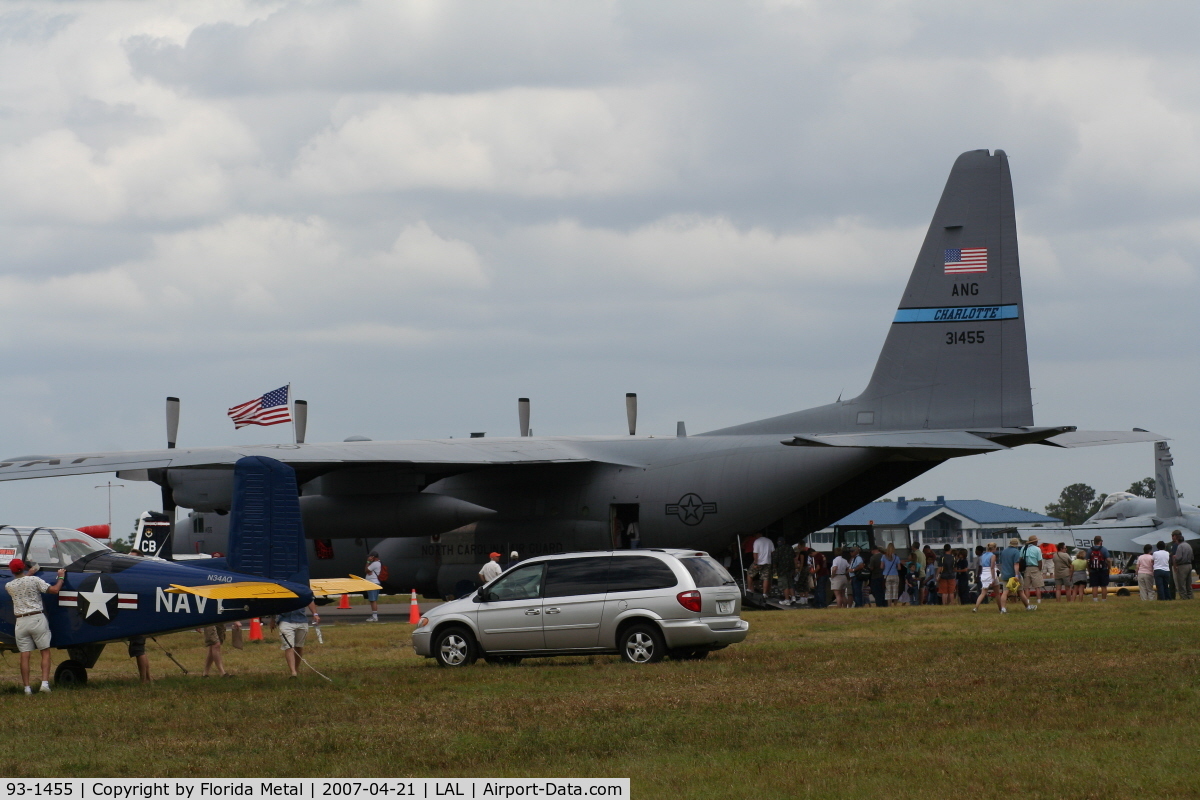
<point>414,610</point>
<point>255,630</point>
<point>344,602</point>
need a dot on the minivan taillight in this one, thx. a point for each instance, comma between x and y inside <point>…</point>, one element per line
<point>689,600</point>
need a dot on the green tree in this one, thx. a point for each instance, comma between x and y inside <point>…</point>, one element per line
<point>1142,488</point>
<point>1075,504</point>
<point>120,545</point>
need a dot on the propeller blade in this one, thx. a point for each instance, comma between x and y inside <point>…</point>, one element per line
<point>172,422</point>
<point>300,413</point>
<point>631,411</point>
<point>166,549</point>
<point>523,414</point>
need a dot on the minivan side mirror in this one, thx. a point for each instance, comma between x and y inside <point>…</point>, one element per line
<point>482,596</point>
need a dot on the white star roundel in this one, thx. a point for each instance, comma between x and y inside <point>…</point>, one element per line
<point>99,597</point>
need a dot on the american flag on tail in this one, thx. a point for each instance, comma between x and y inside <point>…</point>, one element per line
<point>966,259</point>
<point>270,409</point>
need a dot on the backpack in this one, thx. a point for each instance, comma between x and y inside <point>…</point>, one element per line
<point>1096,559</point>
<point>383,572</point>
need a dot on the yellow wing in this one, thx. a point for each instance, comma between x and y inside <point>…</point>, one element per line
<point>323,587</point>
<point>244,590</point>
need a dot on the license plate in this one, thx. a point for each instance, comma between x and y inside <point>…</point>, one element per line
<point>724,606</point>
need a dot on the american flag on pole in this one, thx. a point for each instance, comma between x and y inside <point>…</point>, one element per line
<point>966,259</point>
<point>270,409</point>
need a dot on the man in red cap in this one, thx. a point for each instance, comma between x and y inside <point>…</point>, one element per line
<point>32,629</point>
<point>491,570</point>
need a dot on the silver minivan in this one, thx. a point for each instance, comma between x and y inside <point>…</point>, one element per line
<point>641,604</point>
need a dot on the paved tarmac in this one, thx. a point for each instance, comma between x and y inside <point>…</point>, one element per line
<point>388,612</point>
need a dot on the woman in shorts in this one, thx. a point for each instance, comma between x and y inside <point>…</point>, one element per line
<point>989,579</point>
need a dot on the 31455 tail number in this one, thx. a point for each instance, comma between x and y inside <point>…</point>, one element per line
<point>964,337</point>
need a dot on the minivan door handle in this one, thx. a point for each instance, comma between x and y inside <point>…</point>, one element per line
<point>532,611</point>
<point>552,610</point>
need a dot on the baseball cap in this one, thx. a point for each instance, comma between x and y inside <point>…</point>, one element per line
<point>493,555</point>
<point>16,565</point>
<point>513,554</point>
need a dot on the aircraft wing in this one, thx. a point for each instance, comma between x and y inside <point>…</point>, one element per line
<point>903,440</point>
<point>242,590</point>
<point>1097,438</point>
<point>974,440</point>
<point>432,456</point>
<point>323,587</point>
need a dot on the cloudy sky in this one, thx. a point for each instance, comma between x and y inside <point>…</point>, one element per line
<point>416,212</point>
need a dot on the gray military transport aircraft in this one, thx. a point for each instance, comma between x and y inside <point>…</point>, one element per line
<point>952,380</point>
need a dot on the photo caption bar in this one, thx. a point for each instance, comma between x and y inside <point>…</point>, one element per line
<point>312,788</point>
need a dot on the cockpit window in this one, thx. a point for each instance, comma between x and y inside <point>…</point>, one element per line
<point>1111,508</point>
<point>1115,498</point>
<point>49,548</point>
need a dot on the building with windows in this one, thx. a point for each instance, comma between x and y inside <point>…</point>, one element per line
<point>962,523</point>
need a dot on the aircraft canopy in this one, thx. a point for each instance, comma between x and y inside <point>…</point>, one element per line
<point>49,548</point>
<point>1109,508</point>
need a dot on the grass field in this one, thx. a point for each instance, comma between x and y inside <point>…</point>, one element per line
<point>1075,701</point>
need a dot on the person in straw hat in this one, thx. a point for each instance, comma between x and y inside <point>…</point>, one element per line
<point>1032,580</point>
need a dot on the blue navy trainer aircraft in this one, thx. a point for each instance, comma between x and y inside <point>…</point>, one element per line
<point>110,596</point>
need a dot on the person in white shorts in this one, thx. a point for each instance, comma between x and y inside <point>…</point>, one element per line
<point>293,627</point>
<point>989,579</point>
<point>32,628</point>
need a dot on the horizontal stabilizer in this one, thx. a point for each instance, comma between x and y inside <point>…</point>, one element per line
<point>1097,438</point>
<point>903,440</point>
<point>243,590</point>
<point>323,587</point>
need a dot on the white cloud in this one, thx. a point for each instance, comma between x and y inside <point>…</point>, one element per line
<point>551,142</point>
<point>1130,130</point>
<point>690,255</point>
<point>246,274</point>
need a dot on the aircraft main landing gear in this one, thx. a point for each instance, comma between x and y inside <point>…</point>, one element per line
<point>70,675</point>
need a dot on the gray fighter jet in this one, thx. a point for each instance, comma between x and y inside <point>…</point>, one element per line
<point>952,380</point>
<point>1127,522</point>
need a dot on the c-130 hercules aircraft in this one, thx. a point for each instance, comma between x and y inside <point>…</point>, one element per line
<point>952,380</point>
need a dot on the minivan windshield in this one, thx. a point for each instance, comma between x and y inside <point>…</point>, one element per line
<point>705,571</point>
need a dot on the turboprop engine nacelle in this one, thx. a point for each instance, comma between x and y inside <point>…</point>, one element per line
<point>380,516</point>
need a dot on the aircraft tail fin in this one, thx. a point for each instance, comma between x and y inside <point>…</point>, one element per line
<point>955,355</point>
<point>266,533</point>
<point>1166,498</point>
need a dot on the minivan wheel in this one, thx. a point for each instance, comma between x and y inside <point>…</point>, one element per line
<point>454,647</point>
<point>642,644</point>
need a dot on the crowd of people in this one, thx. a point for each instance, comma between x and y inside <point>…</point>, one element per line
<point>853,577</point>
